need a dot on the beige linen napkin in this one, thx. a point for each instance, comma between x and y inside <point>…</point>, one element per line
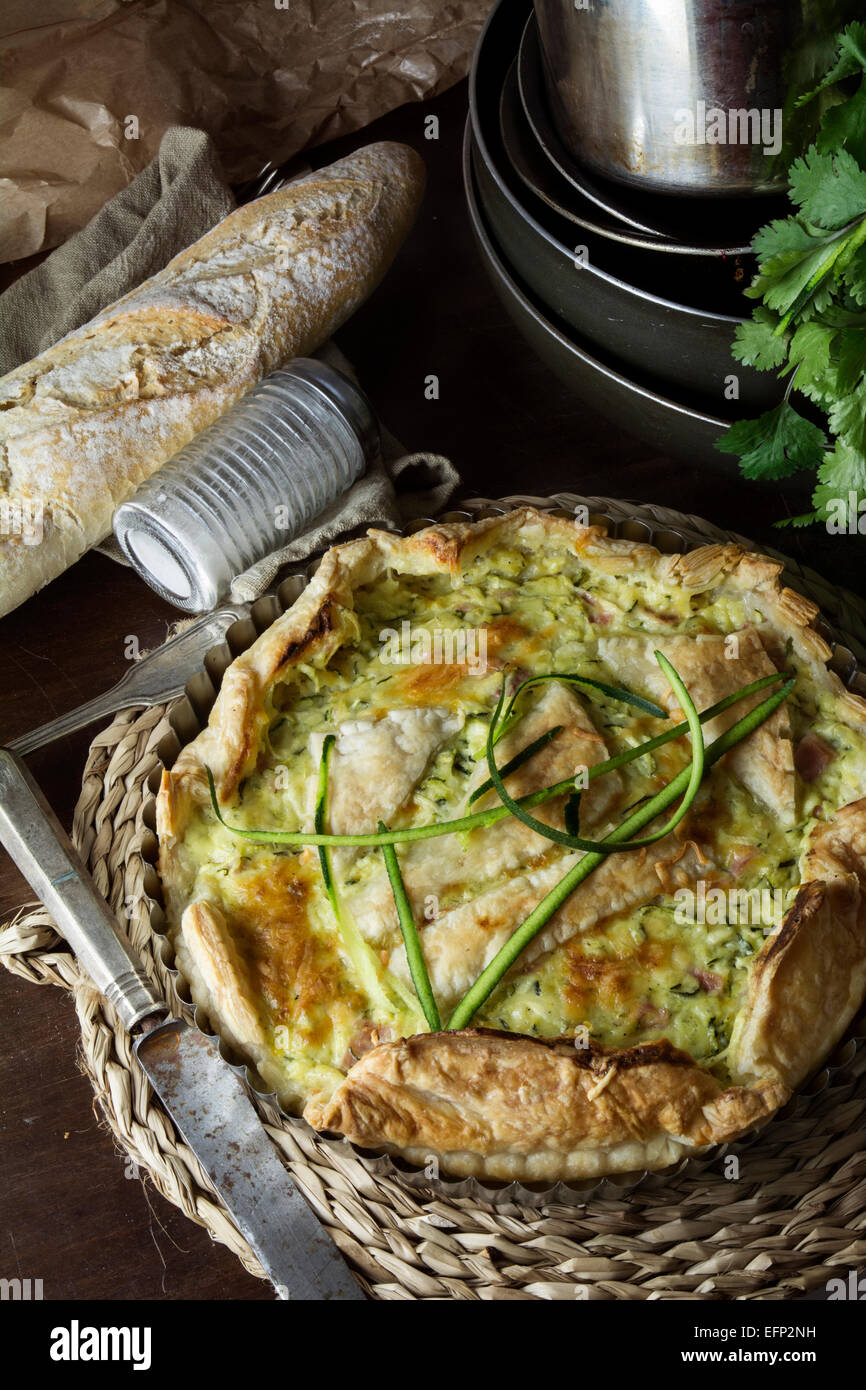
<point>173,202</point>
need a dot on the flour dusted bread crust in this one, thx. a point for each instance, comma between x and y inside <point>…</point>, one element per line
<point>83,424</point>
<point>577,1066</point>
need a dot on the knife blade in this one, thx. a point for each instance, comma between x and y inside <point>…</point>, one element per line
<point>205,1098</point>
<point>210,1106</point>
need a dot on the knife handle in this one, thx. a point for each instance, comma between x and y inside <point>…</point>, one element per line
<point>42,850</point>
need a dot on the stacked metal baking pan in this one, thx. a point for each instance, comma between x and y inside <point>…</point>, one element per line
<point>623,264</point>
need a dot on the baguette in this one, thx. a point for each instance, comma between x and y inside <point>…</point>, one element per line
<point>82,425</point>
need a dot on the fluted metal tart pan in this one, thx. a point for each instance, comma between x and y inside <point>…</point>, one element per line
<point>190,713</point>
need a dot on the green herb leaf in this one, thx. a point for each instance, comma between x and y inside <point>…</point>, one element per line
<point>850,356</point>
<point>811,344</point>
<point>847,417</point>
<point>756,342</point>
<point>841,483</point>
<point>805,519</point>
<point>781,245</point>
<point>812,277</point>
<point>830,189</point>
<point>805,291</point>
<point>853,275</point>
<point>775,445</point>
<point>850,59</point>
<point>844,125</point>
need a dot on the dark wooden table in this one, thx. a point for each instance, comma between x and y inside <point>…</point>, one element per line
<point>69,1215</point>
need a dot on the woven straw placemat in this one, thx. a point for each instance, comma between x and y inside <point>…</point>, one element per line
<point>793,1216</point>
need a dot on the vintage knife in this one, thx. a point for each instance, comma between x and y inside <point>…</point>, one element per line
<point>206,1099</point>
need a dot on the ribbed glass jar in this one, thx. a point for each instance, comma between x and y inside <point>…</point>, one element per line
<point>247,484</point>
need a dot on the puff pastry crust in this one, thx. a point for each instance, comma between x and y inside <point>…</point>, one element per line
<point>494,1102</point>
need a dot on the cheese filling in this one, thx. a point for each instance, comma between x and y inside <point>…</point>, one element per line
<point>654,944</point>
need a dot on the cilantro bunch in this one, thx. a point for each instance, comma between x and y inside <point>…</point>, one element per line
<point>810,326</point>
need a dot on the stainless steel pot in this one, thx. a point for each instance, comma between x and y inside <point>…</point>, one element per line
<point>666,425</point>
<point>621,302</point>
<point>686,96</point>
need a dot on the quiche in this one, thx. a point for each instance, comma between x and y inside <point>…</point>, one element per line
<point>673,1000</point>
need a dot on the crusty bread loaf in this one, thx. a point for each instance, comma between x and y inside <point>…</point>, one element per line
<point>83,424</point>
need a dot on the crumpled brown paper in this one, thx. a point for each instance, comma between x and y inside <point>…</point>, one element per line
<point>266,78</point>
